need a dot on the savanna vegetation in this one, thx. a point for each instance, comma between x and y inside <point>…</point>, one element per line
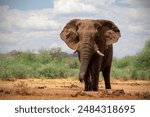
<point>133,67</point>
<point>53,63</point>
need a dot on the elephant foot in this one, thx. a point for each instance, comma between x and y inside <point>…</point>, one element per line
<point>90,89</point>
<point>88,86</point>
<point>95,88</point>
<point>108,87</point>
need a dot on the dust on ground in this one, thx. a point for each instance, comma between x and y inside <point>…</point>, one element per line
<point>72,89</point>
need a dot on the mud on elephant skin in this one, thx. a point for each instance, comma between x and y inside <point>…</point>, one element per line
<point>92,40</point>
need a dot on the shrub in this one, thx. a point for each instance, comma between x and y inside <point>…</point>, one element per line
<point>52,63</point>
<point>143,57</point>
<point>52,71</point>
<point>133,67</point>
<point>73,63</point>
<point>21,71</point>
<point>125,62</point>
<point>5,72</point>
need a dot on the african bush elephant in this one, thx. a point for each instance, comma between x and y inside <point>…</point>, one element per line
<point>92,40</point>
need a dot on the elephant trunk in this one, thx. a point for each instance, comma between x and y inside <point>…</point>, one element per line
<point>86,50</point>
<point>85,53</point>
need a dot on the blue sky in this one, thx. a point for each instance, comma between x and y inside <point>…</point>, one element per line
<point>32,24</point>
<point>27,4</point>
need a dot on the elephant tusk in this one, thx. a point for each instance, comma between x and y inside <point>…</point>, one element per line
<point>99,53</point>
<point>75,51</point>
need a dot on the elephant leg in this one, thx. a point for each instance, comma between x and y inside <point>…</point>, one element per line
<point>88,82</point>
<point>95,72</point>
<point>95,80</point>
<point>106,75</point>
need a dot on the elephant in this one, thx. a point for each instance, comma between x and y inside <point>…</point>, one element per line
<point>93,40</point>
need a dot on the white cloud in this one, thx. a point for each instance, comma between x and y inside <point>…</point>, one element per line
<point>73,6</point>
<point>138,3</point>
<point>26,29</point>
<point>100,3</point>
<point>12,19</point>
<point>34,29</point>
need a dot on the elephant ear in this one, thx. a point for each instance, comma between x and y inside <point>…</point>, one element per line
<point>111,31</point>
<point>69,34</point>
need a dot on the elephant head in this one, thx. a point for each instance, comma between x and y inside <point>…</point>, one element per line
<point>88,37</point>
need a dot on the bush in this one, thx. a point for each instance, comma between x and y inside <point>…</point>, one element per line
<point>73,63</point>
<point>143,57</point>
<point>133,67</point>
<point>21,71</point>
<point>125,62</point>
<point>52,63</point>
<point>142,62</point>
<point>5,72</point>
<point>52,70</point>
<point>45,64</point>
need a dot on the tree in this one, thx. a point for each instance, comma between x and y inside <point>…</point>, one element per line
<point>55,52</point>
<point>143,57</point>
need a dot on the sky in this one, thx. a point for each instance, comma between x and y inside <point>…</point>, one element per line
<point>34,24</point>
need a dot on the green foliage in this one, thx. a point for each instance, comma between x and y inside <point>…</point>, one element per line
<point>133,67</point>
<point>51,63</point>
<point>5,72</point>
<point>125,62</point>
<point>143,57</point>
<point>48,63</point>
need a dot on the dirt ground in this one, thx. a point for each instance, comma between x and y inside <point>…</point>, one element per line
<point>71,89</point>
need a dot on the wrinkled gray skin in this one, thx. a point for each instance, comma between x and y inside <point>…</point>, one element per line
<point>92,40</point>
